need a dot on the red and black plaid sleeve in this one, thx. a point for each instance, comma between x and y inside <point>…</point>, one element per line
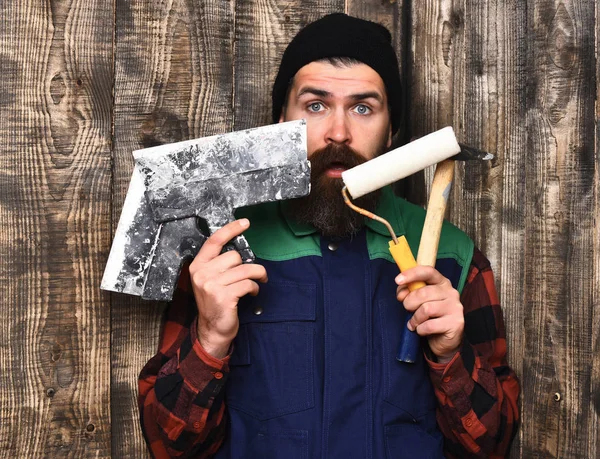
<point>182,412</point>
<point>477,391</point>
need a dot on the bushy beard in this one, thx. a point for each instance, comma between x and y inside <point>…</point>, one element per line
<point>324,208</point>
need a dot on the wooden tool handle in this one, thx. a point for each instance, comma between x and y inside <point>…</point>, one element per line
<point>408,350</point>
<point>436,208</point>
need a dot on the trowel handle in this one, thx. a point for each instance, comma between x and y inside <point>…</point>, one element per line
<point>240,244</point>
<point>409,340</point>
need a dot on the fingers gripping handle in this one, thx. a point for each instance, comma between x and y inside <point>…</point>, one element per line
<point>405,260</point>
<point>409,341</point>
<point>240,244</point>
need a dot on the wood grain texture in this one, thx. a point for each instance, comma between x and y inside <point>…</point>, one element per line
<point>262,31</point>
<point>173,82</point>
<point>560,230</point>
<point>55,126</point>
<point>505,189</point>
<point>594,427</point>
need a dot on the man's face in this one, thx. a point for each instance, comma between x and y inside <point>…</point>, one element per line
<point>348,123</point>
<point>345,105</point>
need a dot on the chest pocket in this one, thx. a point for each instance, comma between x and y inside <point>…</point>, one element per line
<point>271,368</point>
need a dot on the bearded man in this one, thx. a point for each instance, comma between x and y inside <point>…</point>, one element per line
<point>294,356</point>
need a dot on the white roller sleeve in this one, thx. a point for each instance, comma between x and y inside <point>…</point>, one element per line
<point>401,162</point>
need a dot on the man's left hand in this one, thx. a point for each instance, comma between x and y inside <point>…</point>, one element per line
<point>438,312</point>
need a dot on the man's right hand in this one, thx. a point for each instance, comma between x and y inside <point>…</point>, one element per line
<point>219,280</point>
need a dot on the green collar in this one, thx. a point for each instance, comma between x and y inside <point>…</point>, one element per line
<point>387,208</point>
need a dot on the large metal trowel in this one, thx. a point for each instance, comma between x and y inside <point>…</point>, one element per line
<point>175,185</point>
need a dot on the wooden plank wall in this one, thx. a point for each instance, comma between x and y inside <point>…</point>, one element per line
<point>86,83</point>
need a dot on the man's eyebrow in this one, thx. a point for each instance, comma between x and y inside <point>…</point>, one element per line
<point>367,95</point>
<point>314,91</point>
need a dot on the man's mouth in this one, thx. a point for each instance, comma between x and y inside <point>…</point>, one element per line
<point>335,170</point>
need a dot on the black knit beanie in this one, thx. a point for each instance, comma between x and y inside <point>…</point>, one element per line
<point>340,35</point>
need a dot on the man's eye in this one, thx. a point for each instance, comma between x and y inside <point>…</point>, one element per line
<point>362,109</point>
<point>315,107</point>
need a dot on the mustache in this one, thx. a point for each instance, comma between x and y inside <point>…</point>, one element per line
<point>334,154</point>
<point>324,208</point>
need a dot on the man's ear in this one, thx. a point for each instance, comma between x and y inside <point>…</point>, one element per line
<point>282,117</point>
<point>390,136</point>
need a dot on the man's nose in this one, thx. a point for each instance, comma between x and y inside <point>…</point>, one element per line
<point>338,130</point>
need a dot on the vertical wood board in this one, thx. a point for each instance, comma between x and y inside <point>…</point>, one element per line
<point>55,214</point>
<point>560,230</point>
<point>594,433</point>
<point>173,82</point>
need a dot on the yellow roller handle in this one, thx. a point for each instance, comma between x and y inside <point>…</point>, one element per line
<point>404,258</point>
